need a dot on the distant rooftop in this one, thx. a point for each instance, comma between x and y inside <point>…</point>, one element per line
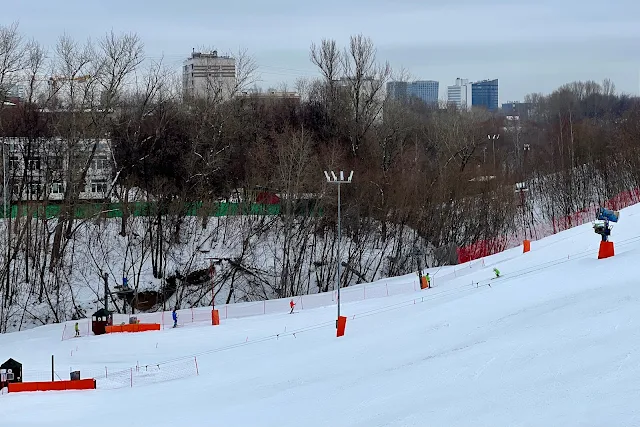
<point>210,54</point>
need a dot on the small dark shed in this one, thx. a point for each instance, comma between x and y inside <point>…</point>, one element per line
<point>100,320</point>
<point>15,368</point>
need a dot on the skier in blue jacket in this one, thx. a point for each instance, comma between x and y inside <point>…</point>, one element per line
<point>174,315</point>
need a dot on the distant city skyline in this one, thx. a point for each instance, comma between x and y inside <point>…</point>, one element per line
<point>529,45</point>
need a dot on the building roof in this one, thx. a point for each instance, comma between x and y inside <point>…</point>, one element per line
<point>102,313</point>
<point>11,364</point>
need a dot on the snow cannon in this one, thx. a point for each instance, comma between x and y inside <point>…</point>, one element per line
<point>601,226</point>
<point>604,214</point>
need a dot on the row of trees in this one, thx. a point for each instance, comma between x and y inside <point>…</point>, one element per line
<point>426,181</point>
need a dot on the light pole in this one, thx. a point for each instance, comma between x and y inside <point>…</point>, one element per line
<point>215,316</point>
<point>493,139</point>
<point>212,273</point>
<point>7,225</point>
<point>4,182</point>
<point>333,179</point>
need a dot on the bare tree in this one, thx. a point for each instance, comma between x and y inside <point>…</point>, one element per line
<point>328,58</point>
<point>246,72</point>
<point>366,81</point>
<point>84,72</point>
<point>12,49</point>
<point>118,58</point>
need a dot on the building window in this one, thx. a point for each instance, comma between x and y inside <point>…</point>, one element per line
<point>14,163</point>
<point>100,163</point>
<point>99,186</point>
<point>33,163</point>
<point>55,163</point>
<point>57,188</point>
<point>34,189</point>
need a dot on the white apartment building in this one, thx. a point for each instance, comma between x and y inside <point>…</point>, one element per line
<point>17,91</point>
<point>458,94</point>
<point>209,76</point>
<point>39,170</point>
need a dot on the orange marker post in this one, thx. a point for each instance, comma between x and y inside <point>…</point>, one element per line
<point>342,324</point>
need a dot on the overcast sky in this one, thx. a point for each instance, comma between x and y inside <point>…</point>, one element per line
<point>529,45</point>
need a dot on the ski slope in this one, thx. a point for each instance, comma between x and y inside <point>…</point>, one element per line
<point>555,341</point>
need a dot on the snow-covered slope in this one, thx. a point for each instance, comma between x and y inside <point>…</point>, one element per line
<point>555,341</point>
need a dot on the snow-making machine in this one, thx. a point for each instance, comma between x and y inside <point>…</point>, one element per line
<point>602,227</point>
<point>603,217</point>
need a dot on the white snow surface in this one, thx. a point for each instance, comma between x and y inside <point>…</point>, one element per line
<point>555,341</point>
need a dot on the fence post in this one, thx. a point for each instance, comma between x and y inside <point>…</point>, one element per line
<point>131,376</point>
<point>106,372</point>
<point>196,361</point>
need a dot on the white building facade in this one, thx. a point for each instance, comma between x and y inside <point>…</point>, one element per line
<point>42,170</point>
<point>458,94</point>
<point>208,76</point>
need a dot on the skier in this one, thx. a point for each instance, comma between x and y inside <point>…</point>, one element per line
<point>497,272</point>
<point>292,305</point>
<point>174,315</point>
<point>428,280</point>
<point>77,327</point>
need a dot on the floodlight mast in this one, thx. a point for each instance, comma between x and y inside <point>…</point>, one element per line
<point>493,138</point>
<point>333,179</point>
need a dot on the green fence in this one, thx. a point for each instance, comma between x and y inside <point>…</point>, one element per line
<point>115,210</point>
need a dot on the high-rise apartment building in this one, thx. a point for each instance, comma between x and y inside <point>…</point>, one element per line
<point>397,91</point>
<point>485,94</point>
<point>207,75</point>
<point>424,90</point>
<point>458,94</point>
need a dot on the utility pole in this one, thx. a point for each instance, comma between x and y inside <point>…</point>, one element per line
<point>212,273</point>
<point>215,316</point>
<point>105,277</point>
<point>4,181</point>
<point>6,224</point>
<point>493,141</point>
<point>333,179</point>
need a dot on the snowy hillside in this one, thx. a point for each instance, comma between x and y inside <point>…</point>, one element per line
<point>554,341</point>
<point>263,260</point>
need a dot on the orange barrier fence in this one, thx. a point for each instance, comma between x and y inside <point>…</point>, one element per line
<point>88,384</point>
<point>136,327</point>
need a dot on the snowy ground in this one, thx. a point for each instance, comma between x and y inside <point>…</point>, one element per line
<point>556,341</point>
